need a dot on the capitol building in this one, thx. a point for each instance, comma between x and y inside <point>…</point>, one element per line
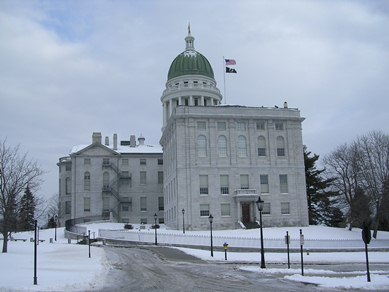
<point>213,158</point>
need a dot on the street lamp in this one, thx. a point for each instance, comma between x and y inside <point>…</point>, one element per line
<point>183,221</point>
<point>260,204</point>
<point>210,223</point>
<point>55,226</point>
<point>155,228</point>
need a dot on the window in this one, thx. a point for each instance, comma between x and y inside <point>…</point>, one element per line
<point>283,183</point>
<point>160,204</point>
<point>105,161</point>
<point>68,185</point>
<point>143,177</point>
<point>125,161</point>
<point>160,177</point>
<point>264,180</point>
<point>143,220</point>
<point>196,101</point>
<point>87,181</point>
<point>285,208</point>
<point>160,161</point>
<point>242,146</point>
<point>221,126</point>
<point>224,184</point>
<point>280,146</point>
<point>201,125</point>
<point>203,184</point>
<point>143,204</point>
<point>68,207</point>
<point>241,126</point>
<point>105,204</point>
<point>86,161</point>
<point>161,220</point>
<point>222,146</point>
<point>279,126</point>
<point>142,161</point>
<point>204,210</point>
<point>105,180</point>
<point>244,181</point>
<point>68,167</point>
<point>125,207</point>
<point>201,146</point>
<point>261,146</point>
<point>86,204</point>
<point>225,209</point>
<point>266,209</point>
<point>260,125</point>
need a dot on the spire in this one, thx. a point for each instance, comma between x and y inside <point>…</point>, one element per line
<point>189,40</point>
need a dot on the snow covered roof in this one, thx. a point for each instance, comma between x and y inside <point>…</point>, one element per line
<point>122,149</point>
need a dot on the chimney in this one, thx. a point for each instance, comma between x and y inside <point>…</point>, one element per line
<point>115,141</point>
<point>141,140</point>
<point>106,141</point>
<point>96,138</point>
<point>285,104</point>
<point>132,141</point>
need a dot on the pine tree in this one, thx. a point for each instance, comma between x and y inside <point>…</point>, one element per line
<point>27,211</point>
<point>321,199</point>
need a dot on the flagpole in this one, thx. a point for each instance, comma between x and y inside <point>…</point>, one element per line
<point>224,75</point>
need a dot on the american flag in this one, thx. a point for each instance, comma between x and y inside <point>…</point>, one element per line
<point>230,62</point>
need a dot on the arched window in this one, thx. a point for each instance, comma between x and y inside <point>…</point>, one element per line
<point>87,181</point>
<point>261,146</point>
<point>280,146</point>
<point>222,146</point>
<point>242,146</point>
<point>202,146</point>
<point>106,179</point>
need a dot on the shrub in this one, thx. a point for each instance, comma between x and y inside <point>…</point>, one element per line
<point>128,226</point>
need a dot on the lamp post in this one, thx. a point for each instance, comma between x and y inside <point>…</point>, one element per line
<point>183,221</point>
<point>210,223</point>
<point>155,228</point>
<point>260,203</point>
<point>55,226</point>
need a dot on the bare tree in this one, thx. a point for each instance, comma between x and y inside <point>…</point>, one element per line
<point>373,163</point>
<point>16,173</point>
<point>342,166</point>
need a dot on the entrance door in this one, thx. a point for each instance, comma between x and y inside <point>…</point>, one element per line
<point>246,212</point>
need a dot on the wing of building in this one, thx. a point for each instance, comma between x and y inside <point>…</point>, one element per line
<point>217,159</point>
<point>119,181</point>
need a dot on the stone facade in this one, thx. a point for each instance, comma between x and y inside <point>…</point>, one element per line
<point>109,181</point>
<point>219,159</point>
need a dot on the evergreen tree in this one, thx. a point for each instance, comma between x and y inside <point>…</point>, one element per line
<point>360,211</point>
<point>27,211</point>
<point>321,199</point>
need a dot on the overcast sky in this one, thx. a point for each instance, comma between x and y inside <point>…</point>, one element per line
<point>70,68</point>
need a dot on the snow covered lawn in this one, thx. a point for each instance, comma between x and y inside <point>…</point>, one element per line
<point>61,266</point>
<point>67,267</point>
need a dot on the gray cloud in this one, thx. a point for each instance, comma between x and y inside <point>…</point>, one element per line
<point>69,68</point>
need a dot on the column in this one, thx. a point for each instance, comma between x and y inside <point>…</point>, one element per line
<point>202,100</point>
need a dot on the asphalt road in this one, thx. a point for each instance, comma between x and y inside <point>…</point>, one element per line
<point>165,269</point>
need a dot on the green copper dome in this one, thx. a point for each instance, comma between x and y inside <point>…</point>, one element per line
<point>190,62</point>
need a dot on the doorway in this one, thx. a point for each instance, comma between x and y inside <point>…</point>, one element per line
<point>245,212</point>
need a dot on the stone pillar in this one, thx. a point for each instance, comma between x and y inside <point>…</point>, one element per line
<point>191,100</point>
<point>202,100</point>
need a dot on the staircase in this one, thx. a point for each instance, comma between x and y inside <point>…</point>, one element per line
<point>251,225</point>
